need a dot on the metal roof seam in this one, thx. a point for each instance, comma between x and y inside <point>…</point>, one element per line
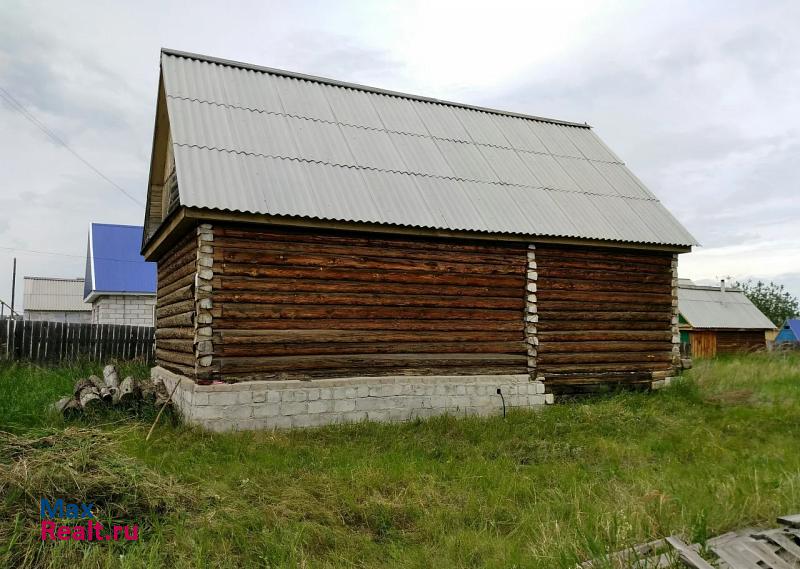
<point>387,130</point>
<point>411,173</point>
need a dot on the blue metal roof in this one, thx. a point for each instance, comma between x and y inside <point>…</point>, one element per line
<point>114,264</point>
<point>790,331</point>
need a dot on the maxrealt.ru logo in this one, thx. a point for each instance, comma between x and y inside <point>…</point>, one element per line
<point>72,512</point>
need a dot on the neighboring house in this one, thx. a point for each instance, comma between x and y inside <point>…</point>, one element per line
<point>717,320</point>
<point>55,300</point>
<point>306,228</point>
<point>789,333</point>
<point>120,284</point>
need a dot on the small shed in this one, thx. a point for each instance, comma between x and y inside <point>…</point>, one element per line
<point>338,252</point>
<point>120,284</point>
<point>789,333</point>
<point>55,300</point>
<point>717,320</point>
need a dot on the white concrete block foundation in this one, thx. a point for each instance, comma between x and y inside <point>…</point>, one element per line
<point>252,405</point>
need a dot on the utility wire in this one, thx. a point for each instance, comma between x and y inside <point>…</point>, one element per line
<point>58,254</point>
<point>17,106</point>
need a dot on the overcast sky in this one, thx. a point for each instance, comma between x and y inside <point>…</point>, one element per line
<point>701,100</point>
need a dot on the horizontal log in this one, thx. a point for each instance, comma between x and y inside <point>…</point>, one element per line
<point>175,357</point>
<point>375,372</point>
<point>164,290</point>
<point>373,250</point>
<point>186,244</point>
<point>375,299</point>
<point>187,259</point>
<point>248,311</point>
<point>546,283</point>
<point>595,377</point>
<point>558,306</point>
<point>176,308</point>
<point>369,263</point>
<point>270,350</point>
<point>625,316</point>
<point>362,275</point>
<point>183,293</point>
<point>559,252</point>
<point>175,321</point>
<point>555,270</point>
<point>365,361</point>
<point>177,275</point>
<point>361,324</point>
<point>186,371</point>
<point>361,240</point>
<point>234,337</point>
<point>545,369</point>
<point>590,266</point>
<point>578,347</point>
<point>545,295</point>
<point>174,333</point>
<point>183,346</point>
<point>249,284</point>
<point>602,357</point>
<point>606,336</point>
<point>598,325</point>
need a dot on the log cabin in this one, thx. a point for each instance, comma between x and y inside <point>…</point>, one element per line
<point>719,320</point>
<point>392,255</point>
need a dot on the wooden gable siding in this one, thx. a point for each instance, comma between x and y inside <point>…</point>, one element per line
<point>604,317</point>
<point>175,308</point>
<point>302,304</point>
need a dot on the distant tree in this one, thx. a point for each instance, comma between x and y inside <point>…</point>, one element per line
<point>772,299</point>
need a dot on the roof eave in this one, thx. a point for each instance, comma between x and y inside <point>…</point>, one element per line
<point>183,217</point>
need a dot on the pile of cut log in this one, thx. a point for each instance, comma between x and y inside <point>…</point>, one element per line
<point>93,393</point>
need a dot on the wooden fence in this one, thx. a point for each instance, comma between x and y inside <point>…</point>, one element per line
<point>59,341</point>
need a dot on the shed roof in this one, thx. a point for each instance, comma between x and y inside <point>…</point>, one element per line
<point>114,264</point>
<point>711,307</point>
<point>54,294</point>
<point>265,141</point>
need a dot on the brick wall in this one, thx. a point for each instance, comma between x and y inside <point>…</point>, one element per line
<point>131,309</point>
<point>250,405</point>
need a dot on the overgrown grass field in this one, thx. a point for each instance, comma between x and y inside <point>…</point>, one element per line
<point>717,451</point>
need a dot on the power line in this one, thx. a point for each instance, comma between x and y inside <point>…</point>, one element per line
<point>59,254</point>
<point>17,106</point>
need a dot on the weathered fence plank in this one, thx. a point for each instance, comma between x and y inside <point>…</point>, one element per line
<point>42,341</point>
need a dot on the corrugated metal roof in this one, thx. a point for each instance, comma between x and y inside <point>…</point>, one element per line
<point>710,307</point>
<point>62,295</point>
<point>114,264</point>
<point>260,140</point>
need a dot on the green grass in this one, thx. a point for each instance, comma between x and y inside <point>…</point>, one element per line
<point>718,451</point>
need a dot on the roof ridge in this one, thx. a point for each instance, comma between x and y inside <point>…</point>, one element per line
<point>360,87</point>
<point>54,278</point>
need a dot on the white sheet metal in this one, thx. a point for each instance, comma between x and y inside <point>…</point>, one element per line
<point>266,141</point>
<point>709,307</point>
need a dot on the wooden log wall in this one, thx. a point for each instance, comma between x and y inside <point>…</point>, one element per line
<point>175,307</point>
<point>604,317</point>
<point>740,341</point>
<point>295,305</point>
